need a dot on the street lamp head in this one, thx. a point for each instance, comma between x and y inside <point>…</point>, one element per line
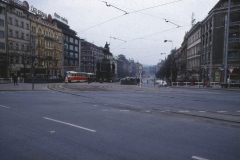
<point>165,41</point>
<point>163,53</point>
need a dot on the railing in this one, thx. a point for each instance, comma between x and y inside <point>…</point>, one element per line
<point>197,84</point>
<point>10,80</point>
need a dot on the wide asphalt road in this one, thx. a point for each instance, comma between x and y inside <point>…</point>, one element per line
<point>110,121</point>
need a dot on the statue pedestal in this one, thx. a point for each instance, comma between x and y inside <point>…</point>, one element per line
<point>105,71</point>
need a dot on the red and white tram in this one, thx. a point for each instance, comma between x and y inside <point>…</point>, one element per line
<point>72,76</point>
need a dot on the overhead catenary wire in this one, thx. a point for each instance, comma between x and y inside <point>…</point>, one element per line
<point>128,14</point>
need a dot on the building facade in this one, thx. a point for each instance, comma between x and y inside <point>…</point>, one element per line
<point>90,56</point>
<point>71,47</point>
<point>46,43</point>
<point>18,39</point>
<point>193,52</point>
<point>214,37</point>
<point>3,52</point>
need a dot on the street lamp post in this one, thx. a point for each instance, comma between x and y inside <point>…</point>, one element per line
<point>33,60</point>
<point>227,32</point>
<point>171,57</point>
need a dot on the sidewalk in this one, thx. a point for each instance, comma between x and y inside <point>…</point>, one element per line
<point>23,87</point>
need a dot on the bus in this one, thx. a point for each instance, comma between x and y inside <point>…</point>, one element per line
<point>73,76</point>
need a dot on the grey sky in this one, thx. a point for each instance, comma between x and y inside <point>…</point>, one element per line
<point>144,31</point>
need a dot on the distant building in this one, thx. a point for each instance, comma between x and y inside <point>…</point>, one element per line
<point>90,56</point>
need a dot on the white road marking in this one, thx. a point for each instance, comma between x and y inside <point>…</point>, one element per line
<point>105,110</point>
<point>124,110</point>
<point>52,131</point>
<point>238,111</point>
<point>4,106</point>
<point>73,125</point>
<point>147,111</point>
<point>221,111</point>
<point>162,111</point>
<point>95,105</point>
<point>198,158</point>
<point>201,111</point>
<point>183,111</point>
<point>126,104</point>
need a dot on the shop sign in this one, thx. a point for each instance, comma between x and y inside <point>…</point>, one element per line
<point>38,12</point>
<point>60,18</point>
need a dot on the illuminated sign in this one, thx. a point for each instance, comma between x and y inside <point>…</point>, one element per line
<point>38,12</point>
<point>61,18</point>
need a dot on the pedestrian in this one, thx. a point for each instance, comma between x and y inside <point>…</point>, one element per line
<point>66,80</point>
<point>89,80</point>
<point>15,79</point>
<point>159,85</point>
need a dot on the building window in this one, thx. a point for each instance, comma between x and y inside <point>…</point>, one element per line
<point>11,45</point>
<point>27,26</point>
<point>10,20</point>
<point>17,59</point>
<point>65,62</point>
<point>22,48</point>
<point>71,47</point>
<point>16,34</point>
<point>71,54</point>
<point>1,34</point>
<point>71,62</point>
<point>66,38</point>
<point>76,41</point>
<point>76,48</point>
<point>76,55</point>
<point>28,48</point>
<point>22,25</point>
<point>233,56</point>
<point>16,22</point>
<point>76,63</point>
<point>10,33</point>
<point>17,46</point>
<point>2,45</point>
<point>71,39</point>
<point>27,36</point>
<point>1,22</point>
<point>22,36</point>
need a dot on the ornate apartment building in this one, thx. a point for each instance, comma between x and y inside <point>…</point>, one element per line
<point>17,38</point>
<point>46,43</point>
<point>193,52</point>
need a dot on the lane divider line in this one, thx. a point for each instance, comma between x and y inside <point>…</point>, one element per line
<point>73,125</point>
<point>221,111</point>
<point>198,158</point>
<point>183,111</point>
<point>4,106</point>
<point>124,110</point>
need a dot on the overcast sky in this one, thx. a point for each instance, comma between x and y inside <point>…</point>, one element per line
<point>140,34</point>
